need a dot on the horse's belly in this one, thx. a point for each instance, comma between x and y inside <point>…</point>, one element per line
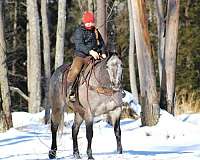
<point>100,103</point>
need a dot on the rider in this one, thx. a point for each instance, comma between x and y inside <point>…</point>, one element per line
<point>88,42</point>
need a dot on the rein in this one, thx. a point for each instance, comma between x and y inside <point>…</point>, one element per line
<point>99,89</point>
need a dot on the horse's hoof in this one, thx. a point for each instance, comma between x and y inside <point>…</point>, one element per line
<point>90,158</point>
<point>77,156</point>
<point>52,154</point>
<point>119,151</point>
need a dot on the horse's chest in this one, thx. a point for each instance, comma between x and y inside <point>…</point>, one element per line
<point>99,103</point>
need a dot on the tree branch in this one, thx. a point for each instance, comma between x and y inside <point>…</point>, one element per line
<point>20,92</point>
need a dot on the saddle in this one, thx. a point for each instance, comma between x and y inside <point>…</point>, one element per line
<point>65,70</point>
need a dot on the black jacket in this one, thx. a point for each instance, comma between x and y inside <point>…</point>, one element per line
<point>85,40</point>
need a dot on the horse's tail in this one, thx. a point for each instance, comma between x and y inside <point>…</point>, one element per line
<point>57,96</point>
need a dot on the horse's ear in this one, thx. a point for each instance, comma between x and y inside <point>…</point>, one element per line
<point>116,53</point>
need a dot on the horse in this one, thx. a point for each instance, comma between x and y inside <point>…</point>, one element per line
<point>98,92</point>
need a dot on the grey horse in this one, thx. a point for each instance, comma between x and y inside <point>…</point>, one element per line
<point>99,92</point>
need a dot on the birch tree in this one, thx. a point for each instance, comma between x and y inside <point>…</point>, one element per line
<point>5,113</point>
<point>101,19</point>
<point>60,35</point>
<point>161,35</point>
<point>148,93</point>
<point>34,57</point>
<point>46,56</point>
<point>15,35</point>
<point>169,69</point>
<point>90,5</point>
<point>132,73</point>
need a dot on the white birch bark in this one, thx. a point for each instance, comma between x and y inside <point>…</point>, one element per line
<point>60,35</point>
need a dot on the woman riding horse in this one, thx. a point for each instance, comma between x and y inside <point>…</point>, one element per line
<point>97,94</point>
<point>88,42</point>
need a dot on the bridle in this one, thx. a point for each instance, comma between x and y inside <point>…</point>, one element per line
<point>101,89</point>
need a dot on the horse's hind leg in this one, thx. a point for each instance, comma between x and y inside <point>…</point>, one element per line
<point>75,129</point>
<point>52,152</point>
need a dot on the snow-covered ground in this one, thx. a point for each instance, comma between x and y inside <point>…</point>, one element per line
<point>173,138</point>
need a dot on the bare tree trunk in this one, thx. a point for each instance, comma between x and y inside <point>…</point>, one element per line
<point>149,96</point>
<point>46,55</point>
<point>59,57</point>
<point>5,113</point>
<point>34,68</point>
<point>28,56</point>
<point>170,52</point>
<point>131,54</point>
<point>161,36</point>
<point>101,19</point>
<point>90,5</point>
<point>15,26</point>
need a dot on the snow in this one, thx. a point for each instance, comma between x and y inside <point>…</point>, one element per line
<point>174,138</point>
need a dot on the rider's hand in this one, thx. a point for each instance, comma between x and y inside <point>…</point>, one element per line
<point>94,54</point>
<point>103,55</point>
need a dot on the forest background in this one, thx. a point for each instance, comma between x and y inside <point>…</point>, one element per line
<point>188,47</point>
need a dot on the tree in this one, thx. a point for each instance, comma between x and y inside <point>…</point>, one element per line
<point>161,36</point>
<point>46,55</point>
<point>169,67</point>
<point>148,93</point>
<point>131,54</point>
<point>34,57</point>
<point>59,57</point>
<point>5,109</point>
<point>90,5</point>
<point>101,19</point>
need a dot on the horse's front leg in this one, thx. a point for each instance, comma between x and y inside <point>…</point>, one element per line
<point>115,120</point>
<point>52,152</point>
<point>89,135</point>
<point>75,129</point>
<point>117,131</point>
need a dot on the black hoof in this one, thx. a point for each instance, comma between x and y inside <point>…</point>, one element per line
<point>52,154</point>
<point>119,151</point>
<point>77,156</point>
<point>90,158</point>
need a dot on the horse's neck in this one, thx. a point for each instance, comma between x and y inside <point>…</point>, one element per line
<point>100,75</point>
<point>96,74</point>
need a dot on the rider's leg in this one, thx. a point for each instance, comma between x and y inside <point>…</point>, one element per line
<point>75,69</point>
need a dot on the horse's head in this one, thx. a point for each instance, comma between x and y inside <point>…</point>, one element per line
<point>114,68</point>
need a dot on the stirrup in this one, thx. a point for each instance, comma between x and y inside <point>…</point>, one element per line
<point>72,98</point>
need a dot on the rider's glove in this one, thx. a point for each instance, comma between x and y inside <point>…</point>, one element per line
<point>103,55</point>
<point>94,54</point>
